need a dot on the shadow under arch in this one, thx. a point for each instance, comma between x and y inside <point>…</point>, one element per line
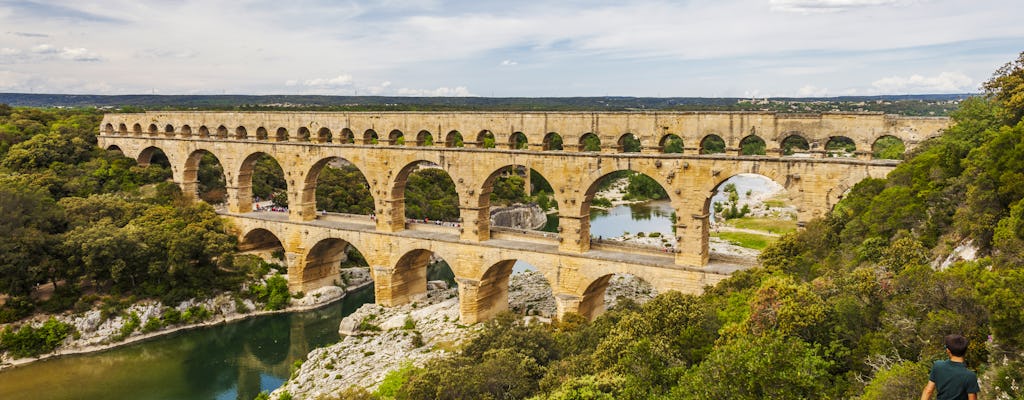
<point>396,138</point>
<point>346,136</point>
<point>407,280</point>
<point>116,148</point>
<point>153,155</point>
<point>346,189</point>
<point>424,138</point>
<point>453,139</point>
<point>323,262</point>
<point>489,294</point>
<point>594,300</point>
<point>260,239</point>
<point>371,137</point>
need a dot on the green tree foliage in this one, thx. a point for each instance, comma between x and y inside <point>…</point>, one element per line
<point>29,341</point>
<point>888,147</point>
<point>212,185</point>
<point>630,144</point>
<point>590,142</point>
<point>712,145</point>
<point>672,144</point>
<point>752,146</point>
<point>554,142</point>
<point>643,187</point>
<point>343,190</point>
<point>430,193</point>
<point>793,144</point>
<point>508,189</point>
<point>1007,87</point>
<point>900,381</point>
<point>268,179</point>
<point>29,232</point>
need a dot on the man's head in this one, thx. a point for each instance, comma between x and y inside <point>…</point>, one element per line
<point>956,344</point>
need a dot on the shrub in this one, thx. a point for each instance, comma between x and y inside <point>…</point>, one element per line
<point>29,341</point>
<point>274,295</point>
<point>16,308</point>
<point>151,325</point>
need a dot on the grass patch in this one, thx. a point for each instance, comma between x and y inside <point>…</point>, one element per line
<point>771,225</point>
<point>747,240</point>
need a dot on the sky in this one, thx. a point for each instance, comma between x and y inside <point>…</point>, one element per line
<point>525,48</point>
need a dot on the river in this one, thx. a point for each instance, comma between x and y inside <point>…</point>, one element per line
<point>224,362</point>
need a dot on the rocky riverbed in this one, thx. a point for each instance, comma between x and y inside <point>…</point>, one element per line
<point>95,331</point>
<point>417,332</point>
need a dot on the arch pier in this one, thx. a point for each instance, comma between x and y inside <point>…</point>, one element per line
<point>396,250</point>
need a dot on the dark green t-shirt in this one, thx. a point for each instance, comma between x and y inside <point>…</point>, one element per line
<point>953,381</point>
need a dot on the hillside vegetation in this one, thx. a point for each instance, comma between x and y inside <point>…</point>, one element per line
<point>853,306</point>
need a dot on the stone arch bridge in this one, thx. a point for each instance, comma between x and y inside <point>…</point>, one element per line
<point>474,149</point>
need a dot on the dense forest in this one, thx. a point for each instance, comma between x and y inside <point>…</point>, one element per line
<point>853,306</point>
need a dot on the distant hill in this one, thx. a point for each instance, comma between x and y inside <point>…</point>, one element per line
<point>929,104</point>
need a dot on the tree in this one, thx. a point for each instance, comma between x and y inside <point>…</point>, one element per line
<point>28,236</point>
<point>1007,87</point>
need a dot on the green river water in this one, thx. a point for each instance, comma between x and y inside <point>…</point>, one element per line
<point>230,361</point>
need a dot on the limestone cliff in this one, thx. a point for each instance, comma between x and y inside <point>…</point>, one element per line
<point>519,216</point>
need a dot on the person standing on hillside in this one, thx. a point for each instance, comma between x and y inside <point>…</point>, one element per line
<point>951,377</point>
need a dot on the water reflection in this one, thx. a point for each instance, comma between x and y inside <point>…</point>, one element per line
<point>232,361</point>
<point>654,216</point>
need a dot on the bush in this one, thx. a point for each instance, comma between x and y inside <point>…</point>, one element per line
<point>151,325</point>
<point>16,308</point>
<point>130,325</point>
<point>171,316</point>
<point>601,202</point>
<point>394,380</point>
<point>274,295</point>
<point>29,341</point>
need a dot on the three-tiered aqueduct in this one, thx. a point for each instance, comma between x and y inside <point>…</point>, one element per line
<point>482,257</point>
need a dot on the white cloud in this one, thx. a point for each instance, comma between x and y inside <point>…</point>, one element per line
<point>508,63</point>
<point>945,82</point>
<point>7,51</point>
<point>343,80</point>
<point>818,6</point>
<point>458,91</point>
<point>45,49</point>
<point>811,91</point>
<point>66,53</point>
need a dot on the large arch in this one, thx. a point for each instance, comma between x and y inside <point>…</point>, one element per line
<point>488,296</point>
<point>153,155</point>
<point>248,190</point>
<point>593,300</point>
<point>202,180</point>
<point>260,239</point>
<point>418,205</point>
<point>322,265</point>
<point>335,196</point>
<point>651,186</point>
<point>404,281</point>
<point>523,176</point>
<point>749,209</point>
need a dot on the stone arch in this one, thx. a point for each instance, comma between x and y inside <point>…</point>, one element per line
<point>629,143</point>
<point>222,132</point>
<point>308,196</point>
<point>108,128</point>
<point>241,133</point>
<point>345,136</point>
<point>483,194</point>
<point>211,192</point>
<point>712,144</point>
<point>454,139</point>
<point>405,280</point>
<point>590,142</point>
<point>322,266</point>
<point>137,128</point>
<point>116,148</point>
<point>888,147</point>
<point>424,138</point>
<point>146,157</point>
<point>488,296</point>
<point>245,175</point>
<point>591,193</point>
<point>186,131</point>
<point>370,137</point>
<point>518,141</point>
<point>401,178</point>
<point>153,130</point>
<point>592,300</point>
<point>303,134</point>
<point>262,134</point>
<point>552,142</point>
<point>169,130</point>
<point>841,146</point>
<point>753,145</point>
<point>260,239</point>
<point>671,144</point>
<point>396,138</point>
<point>281,134</point>
<point>122,128</point>
<point>794,144</point>
<point>485,139</point>
<point>324,135</point>
<point>204,132</point>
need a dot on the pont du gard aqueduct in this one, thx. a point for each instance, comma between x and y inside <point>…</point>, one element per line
<point>387,146</point>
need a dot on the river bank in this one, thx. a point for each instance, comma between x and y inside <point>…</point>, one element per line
<point>415,333</point>
<point>95,333</point>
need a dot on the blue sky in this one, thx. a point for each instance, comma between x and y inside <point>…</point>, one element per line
<point>725,48</point>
